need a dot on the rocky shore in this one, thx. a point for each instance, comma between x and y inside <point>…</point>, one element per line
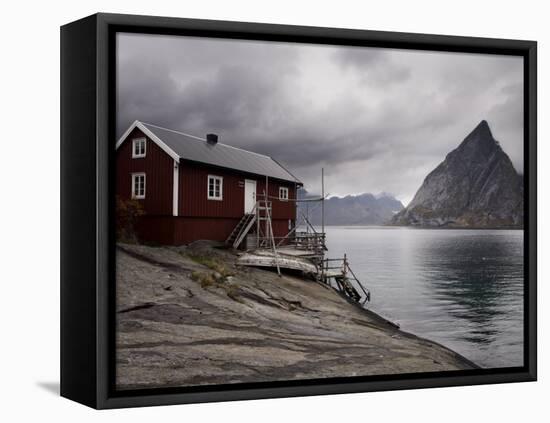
<point>188,316</point>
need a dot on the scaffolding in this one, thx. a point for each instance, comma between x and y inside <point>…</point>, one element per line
<point>299,249</point>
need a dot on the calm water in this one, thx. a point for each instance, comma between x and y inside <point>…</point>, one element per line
<point>461,288</point>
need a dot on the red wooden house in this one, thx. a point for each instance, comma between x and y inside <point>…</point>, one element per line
<point>195,188</point>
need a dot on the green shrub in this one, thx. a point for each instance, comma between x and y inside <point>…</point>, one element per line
<point>127,213</point>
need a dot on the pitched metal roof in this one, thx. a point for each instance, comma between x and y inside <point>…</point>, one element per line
<point>197,149</point>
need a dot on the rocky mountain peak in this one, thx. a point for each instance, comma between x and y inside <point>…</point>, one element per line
<point>475,186</point>
<point>480,142</point>
<point>482,129</point>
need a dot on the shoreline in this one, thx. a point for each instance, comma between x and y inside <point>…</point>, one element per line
<point>383,320</point>
<point>459,356</point>
<point>388,226</point>
<point>188,316</point>
<point>472,228</point>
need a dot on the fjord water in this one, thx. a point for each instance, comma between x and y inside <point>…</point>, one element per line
<point>461,288</point>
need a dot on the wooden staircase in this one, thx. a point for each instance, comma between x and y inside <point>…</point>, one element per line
<point>346,281</point>
<point>239,232</point>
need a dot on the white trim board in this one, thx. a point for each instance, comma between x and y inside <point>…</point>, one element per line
<point>175,186</point>
<point>153,137</point>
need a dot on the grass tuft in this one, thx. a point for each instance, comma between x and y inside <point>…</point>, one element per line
<point>208,280</point>
<point>213,264</point>
<point>205,279</point>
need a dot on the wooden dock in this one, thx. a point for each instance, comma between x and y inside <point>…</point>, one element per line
<point>302,251</point>
<point>332,272</point>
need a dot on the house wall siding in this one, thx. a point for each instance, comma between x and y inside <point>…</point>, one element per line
<point>194,202</point>
<point>193,198</point>
<point>156,230</point>
<point>169,230</point>
<point>280,209</point>
<point>158,167</point>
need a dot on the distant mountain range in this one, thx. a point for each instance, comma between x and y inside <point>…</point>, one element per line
<point>476,186</point>
<point>363,209</point>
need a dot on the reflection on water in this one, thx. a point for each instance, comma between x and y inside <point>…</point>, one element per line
<point>462,288</point>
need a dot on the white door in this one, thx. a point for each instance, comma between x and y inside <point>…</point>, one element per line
<point>249,195</point>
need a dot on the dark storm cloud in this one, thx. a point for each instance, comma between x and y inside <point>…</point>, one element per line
<point>377,120</point>
<point>195,87</point>
<point>233,98</point>
<point>374,65</point>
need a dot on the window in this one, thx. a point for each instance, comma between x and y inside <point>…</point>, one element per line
<point>138,185</point>
<point>215,187</point>
<point>138,147</point>
<point>283,193</point>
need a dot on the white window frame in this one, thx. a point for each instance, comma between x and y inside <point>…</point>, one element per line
<point>214,178</point>
<point>285,191</point>
<point>134,176</point>
<point>135,142</point>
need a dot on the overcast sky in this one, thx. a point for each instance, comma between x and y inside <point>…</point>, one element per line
<point>375,119</point>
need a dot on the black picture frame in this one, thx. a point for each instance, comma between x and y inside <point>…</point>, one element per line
<point>87,224</point>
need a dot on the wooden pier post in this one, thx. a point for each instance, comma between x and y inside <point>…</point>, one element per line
<point>323,201</point>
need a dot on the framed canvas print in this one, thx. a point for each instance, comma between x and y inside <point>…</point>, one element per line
<point>255,211</point>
